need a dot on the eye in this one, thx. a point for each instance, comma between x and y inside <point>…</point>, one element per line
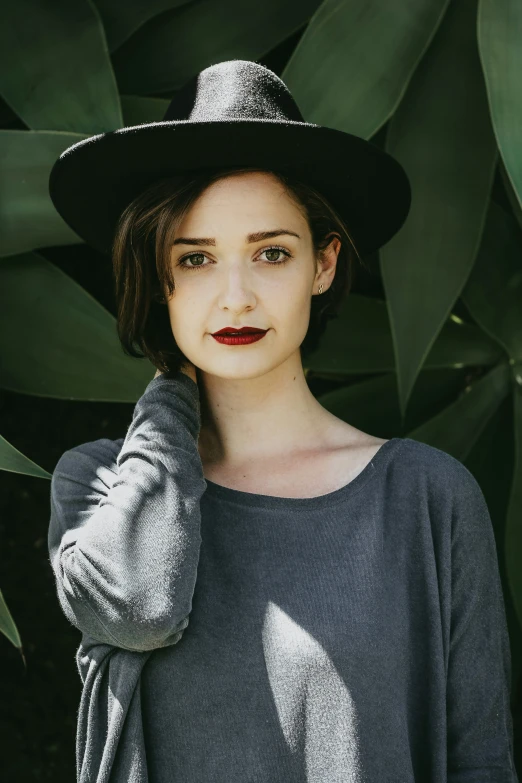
<point>270,250</point>
<point>277,250</point>
<point>181,262</point>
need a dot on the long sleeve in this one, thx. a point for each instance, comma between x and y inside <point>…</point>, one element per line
<point>124,534</point>
<point>480,729</point>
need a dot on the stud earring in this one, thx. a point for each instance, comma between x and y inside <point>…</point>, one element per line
<point>321,288</point>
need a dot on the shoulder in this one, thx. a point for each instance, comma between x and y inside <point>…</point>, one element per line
<point>435,469</point>
<point>429,456</point>
<point>442,489</point>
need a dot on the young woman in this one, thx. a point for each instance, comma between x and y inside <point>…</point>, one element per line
<point>265,592</point>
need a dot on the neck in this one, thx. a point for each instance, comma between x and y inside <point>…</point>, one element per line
<point>256,419</point>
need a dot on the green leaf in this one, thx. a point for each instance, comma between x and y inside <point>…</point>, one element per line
<point>7,624</point>
<point>137,109</point>
<point>28,218</point>
<point>512,196</point>
<point>372,405</point>
<point>14,461</point>
<point>121,20</point>
<point>55,69</point>
<point>57,341</point>
<point>499,30</point>
<point>359,341</point>
<point>355,59</point>
<point>167,51</point>
<point>457,428</point>
<point>442,135</point>
<point>493,293</point>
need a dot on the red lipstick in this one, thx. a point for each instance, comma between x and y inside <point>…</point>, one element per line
<point>243,335</point>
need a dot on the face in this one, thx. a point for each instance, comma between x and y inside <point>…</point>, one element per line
<point>235,280</point>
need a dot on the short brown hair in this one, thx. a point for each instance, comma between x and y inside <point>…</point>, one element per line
<point>142,262</point>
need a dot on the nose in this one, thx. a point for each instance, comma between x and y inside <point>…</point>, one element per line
<point>236,294</point>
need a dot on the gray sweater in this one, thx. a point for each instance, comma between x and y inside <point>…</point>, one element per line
<point>232,637</point>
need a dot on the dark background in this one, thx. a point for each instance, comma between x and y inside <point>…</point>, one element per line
<point>38,704</point>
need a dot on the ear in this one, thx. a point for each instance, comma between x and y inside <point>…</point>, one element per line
<point>327,261</point>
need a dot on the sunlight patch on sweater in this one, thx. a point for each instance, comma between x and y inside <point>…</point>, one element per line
<point>315,709</point>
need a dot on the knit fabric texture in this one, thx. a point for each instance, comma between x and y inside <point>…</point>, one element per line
<point>232,637</point>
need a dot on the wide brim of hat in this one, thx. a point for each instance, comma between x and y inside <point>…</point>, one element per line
<point>94,180</point>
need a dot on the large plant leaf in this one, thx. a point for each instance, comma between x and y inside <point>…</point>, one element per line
<point>499,31</point>
<point>7,624</point>
<point>13,460</point>
<point>493,295</point>
<point>55,69</point>
<point>336,71</point>
<point>493,292</point>
<point>372,404</point>
<point>121,20</point>
<point>167,51</point>
<point>359,341</point>
<point>57,341</point>
<point>440,131</point>
<point>510,192</point>
<point>457,428</point>
<point>28,218</point>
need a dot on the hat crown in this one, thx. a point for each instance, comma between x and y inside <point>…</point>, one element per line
<point>234,90</point>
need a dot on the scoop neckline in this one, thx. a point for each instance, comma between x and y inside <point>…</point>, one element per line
<point>251,499</point>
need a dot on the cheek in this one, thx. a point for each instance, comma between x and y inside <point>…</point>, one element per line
<point>178,317</point>
<point>186,321</point>
<point>297,298</point>
<point>292,315</point>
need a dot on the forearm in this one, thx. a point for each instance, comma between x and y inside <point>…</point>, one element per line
<point>128,565</point>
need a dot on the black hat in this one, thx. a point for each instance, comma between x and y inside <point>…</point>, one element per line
<point>233,113</point>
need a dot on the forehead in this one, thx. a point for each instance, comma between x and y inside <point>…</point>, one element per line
<point>249,198</point>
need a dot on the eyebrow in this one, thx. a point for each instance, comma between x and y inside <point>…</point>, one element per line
<point>251,238</point>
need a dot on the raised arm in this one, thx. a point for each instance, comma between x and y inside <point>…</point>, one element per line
<point>124,533</point>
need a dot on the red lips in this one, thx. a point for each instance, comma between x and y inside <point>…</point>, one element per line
<point>240,330</point>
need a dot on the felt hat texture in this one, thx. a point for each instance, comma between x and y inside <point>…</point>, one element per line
<point>233,113</point>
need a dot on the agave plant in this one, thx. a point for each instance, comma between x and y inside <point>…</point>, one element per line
<point>438,355</point>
